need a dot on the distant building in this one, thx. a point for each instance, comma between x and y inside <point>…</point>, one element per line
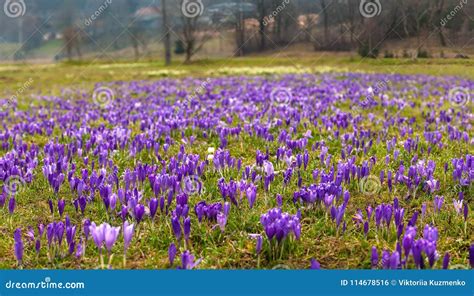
<point>148,17</point>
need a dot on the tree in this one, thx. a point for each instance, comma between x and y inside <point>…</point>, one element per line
<point>261,20</point>
<point>325,11</point>
<point>167,37</point>
<point>72,40</point>
<point>193,32</point>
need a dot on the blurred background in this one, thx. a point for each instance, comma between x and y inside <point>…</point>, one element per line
<point>44,31</point>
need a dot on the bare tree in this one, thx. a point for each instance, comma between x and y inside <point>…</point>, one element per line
<point>72,40</point>
<point>240,30</point>
<point>261,20</point>
<point>325,12</point>
<point>194,35</point>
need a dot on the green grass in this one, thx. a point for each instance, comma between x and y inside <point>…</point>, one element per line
<point>53,77</point>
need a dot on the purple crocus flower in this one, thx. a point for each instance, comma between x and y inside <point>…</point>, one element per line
<point>59,232</point>
<point>30,234</point>
<point>18,246</point>
<point>105,192</point>
<point>50,232</point>
<point>417,248</point>
<point>110,236</point>
<point>80,249</point>
<point>374,260</point>
<point>430,250</point>
<point>438,203</point>
<point>172,253</point>
<point>251,194</point>
<point>369,212</point>
<point>187,228</point>
<point>386,259</point>
<point>394,260</point>
<point>358,217</point>
<point>389,180</point>
<point>423,210</point>
<point>87,224</point>
<point>128,230</point>
<point>38,246</point>
<point>124,213</point>
<point>280,225</point>
<point>222,221</point>
<point>337,214</point>
<point>433,185</point>
<point>430,233</point>
<point>153,205</point>
<point>139,211</point>
<point>70,233</point>
<point>98,234</point>
<point>446,261</point>
<point>279,200</point>
<point>187,260</point>
<point>51,207</point>
<point>258,246</point>
<point>82,204</point>
<point>176,227</point>
<point>366,228</point>
<point>11,205</point>
<point>40,230</point>
<point>226,208</point>
<point>3,199</point>
<point>61,205</point>
<point>315,264</point>
<point>113,201</point>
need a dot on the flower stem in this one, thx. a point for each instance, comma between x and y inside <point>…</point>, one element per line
<point>101,259</point>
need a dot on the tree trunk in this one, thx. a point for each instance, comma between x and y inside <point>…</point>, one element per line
<point>167,37</point>
<point>189,50</point>
<point>240,32</point>
<point>262,24</point>
<point>326,22</point>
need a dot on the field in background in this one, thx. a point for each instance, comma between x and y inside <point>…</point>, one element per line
<point>49,78</point>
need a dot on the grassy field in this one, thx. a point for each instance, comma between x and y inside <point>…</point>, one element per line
<point>52,77</point>
<point>232,249</point>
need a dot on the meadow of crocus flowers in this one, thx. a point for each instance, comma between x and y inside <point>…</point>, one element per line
<point>322,171</point>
